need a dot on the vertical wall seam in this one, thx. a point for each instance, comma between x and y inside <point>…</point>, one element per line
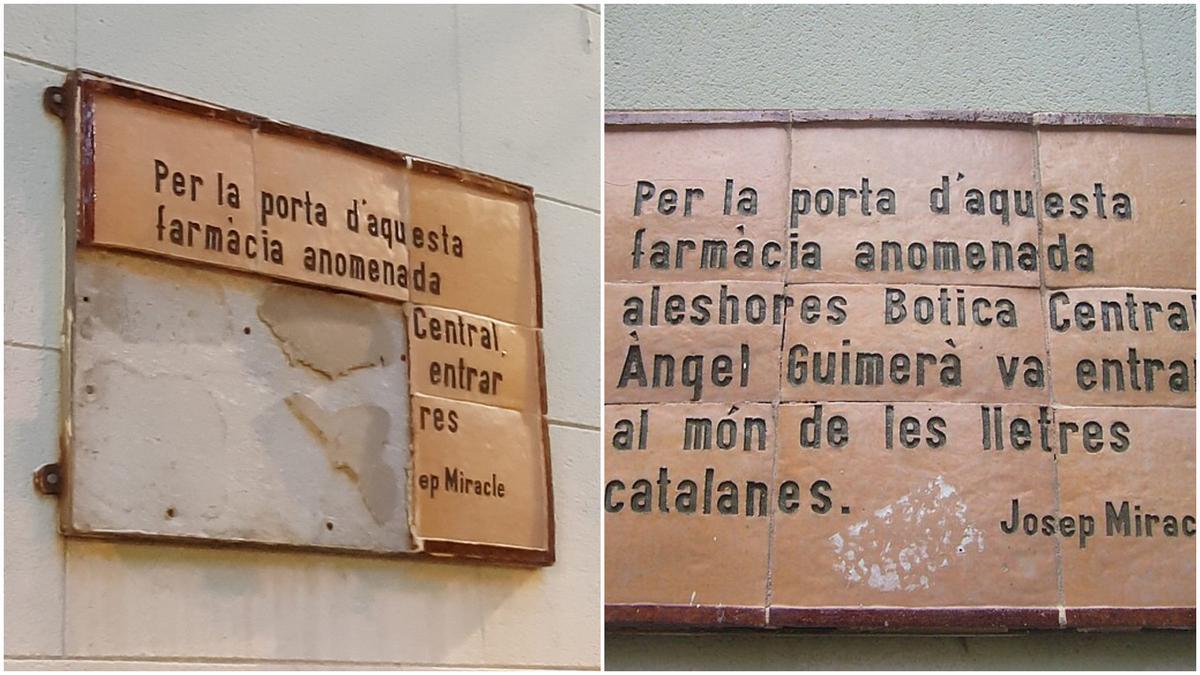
<point>1137,9</point>
<point>75,40</point>
<point>458,77</point>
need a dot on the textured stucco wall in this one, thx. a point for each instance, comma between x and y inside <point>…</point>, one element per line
<point>1101,58</point>
<point>511,91</point>
<point>819,57</point>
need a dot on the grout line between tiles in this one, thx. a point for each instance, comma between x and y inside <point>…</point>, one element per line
<point>1043,291</point>
<point>775,403</point>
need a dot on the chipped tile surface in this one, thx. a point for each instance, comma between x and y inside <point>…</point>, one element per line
<point>924,500</point>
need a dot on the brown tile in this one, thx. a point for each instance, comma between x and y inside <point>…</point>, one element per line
<point>923,528</point>
<point>677,342</point>
<point>226,196</point>
<point>1122,346</point>
<point>501,452</point>
<point>652,231</point>
<point>1155,474</point>
<point>853,320</point>
<point>341,215</point>
<point>473,250</point>
<point>662,555</point>
<point>1156,245</point>
<point>468,357</point>
<point>912,160</point>
<point>139,150</point>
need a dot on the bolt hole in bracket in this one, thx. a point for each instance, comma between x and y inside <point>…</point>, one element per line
<point>54,101</point>
<point>48,479</point>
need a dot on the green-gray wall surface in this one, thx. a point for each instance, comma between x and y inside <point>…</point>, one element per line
<point>1081,58</point>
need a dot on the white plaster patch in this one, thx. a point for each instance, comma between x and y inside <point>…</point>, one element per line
<point>179,421</point>
<point>867,552</point>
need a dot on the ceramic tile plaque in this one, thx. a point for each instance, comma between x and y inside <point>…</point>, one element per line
<point>283,338</point>
<point>899,371</point>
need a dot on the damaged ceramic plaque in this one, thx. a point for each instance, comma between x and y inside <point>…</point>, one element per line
<point>217,406</point>
<point>240,327</point>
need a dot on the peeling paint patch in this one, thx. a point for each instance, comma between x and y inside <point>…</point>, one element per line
<point>353,440</point>
<point>867,552</point>
<point>332,334</point>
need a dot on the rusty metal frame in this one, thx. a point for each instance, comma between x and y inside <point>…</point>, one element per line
<point>1133,122</point>
<point>74,104</point>
<point>981,620</point>
<point>651,617</point>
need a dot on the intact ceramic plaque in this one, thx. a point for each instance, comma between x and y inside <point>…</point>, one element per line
<point>283,338</point>
<point>174,184</point>
<point>682,493</point>
<point>473,249</point>
<point>952,359</point>
<point>142,203</point>
<point>1131,484</point>
<point>679,342</point>
<point>1123,346</point>
<point>697,205</point>
<point>865,342</point>
<point>1119,207</point>
<point>917,204</point>
<point>346,213</point>
<point>478,476</point>
<point>474,358</point>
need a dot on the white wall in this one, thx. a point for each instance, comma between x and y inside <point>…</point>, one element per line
<point>510,91</point>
